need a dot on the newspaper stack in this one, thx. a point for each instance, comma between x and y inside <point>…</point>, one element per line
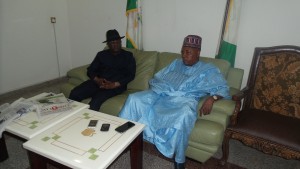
<point>9,112</point>
<point>54,103</point>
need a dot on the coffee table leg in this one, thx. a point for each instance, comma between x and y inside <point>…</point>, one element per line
<point>3,152</point>
<point>136,153</point>
<point>36,161</point>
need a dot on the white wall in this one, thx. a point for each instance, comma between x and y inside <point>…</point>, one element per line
<point>27,43</point>
<point>165,24</point>
<point>266,23</point>
<point>89,21</point>
<point>27,48</point>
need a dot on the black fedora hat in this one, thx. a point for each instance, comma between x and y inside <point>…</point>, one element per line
<point>112,35</point>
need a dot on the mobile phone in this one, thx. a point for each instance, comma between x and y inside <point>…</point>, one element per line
<point>124,127</point>
<point>92,123</point>
<point>105,127</point>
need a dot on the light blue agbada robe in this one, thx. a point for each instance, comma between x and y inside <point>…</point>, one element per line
<point>169,109</point>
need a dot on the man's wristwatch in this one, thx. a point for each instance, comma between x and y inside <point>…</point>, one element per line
<point>215,97</point>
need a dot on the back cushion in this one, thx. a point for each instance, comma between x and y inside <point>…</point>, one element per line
<point>277,84</point>
<point>133,51</point>
<point>145,65</point>
<point>223,65</point>
<point>79,73</point>
<point>164,59</point>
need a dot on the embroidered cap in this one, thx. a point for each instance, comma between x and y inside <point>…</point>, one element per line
<point>192,41</point>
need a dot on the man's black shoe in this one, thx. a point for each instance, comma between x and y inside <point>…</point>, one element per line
<point>179,165</point>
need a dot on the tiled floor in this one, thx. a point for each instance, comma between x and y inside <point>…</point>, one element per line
<point>212,163</point>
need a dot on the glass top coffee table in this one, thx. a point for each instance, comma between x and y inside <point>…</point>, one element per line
<point>71,144</point>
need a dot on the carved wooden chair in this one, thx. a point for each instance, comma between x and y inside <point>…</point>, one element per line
<point>269,120</point>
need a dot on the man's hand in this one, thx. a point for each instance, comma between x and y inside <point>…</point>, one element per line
<point>207,106</point>
<point>99,81</point>
<point>109,85</point>
<point>105,84</point>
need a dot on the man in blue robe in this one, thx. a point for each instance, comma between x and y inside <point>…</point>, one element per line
<point>168,109</point>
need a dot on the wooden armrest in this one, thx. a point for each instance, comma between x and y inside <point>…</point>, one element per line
<point>238,102</point>
<point>240,95</point>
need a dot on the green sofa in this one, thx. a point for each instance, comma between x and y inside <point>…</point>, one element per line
<point>207,135</point>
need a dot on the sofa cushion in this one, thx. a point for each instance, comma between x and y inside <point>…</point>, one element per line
<point>79,73</point>
<point>271,126</point>
<point>225,105</point>
<point>217,116</point>
<point>66,89</point>
<point>200,152</point>
<point>145,65</point>
<point>235,78</point>
<point>206,132</point>
<point>75,81</point>
<point>114,105</point>
<point>133,51</point>
<point>164,59</point>
<point>223,65</point>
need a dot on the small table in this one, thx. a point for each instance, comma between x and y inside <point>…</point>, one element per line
<point>30,125</point>
<point>70,144</point>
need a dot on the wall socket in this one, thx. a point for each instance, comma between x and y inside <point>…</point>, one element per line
<point>53,19</point>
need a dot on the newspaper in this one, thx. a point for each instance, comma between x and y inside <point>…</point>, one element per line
<point>54,103</point>
<point>9,112</point>
<point>44,105</point>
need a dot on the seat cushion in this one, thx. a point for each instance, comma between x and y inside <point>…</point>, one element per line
<point>114,105</point>
<point>270,126</point>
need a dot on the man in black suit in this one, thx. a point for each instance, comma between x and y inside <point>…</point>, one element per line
<point>109,73</point>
